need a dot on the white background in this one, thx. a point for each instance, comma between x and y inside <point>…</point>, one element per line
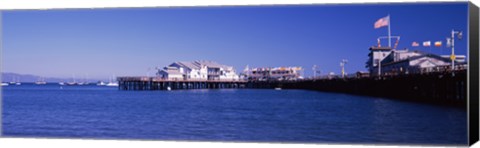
<point>81,143</point>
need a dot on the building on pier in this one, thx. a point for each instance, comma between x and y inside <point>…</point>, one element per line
<point>388,61</point>
<point>171,73</point>
<point>276,73</point>
<point>198,70</point>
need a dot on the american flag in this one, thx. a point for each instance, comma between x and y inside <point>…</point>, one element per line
<point>385,21</point>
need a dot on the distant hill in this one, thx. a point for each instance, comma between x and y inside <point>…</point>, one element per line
<point>8,77</point>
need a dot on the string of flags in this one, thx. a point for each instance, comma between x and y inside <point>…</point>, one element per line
<point>385,21</point>
<point>429,43</point>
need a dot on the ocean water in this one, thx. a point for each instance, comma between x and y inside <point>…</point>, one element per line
<point>240,115</point>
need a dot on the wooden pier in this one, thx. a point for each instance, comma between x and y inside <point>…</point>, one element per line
<point>442,88</point>
<point>431,88</point>
<point>155,83</point>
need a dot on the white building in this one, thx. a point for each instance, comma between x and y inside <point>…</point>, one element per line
<point>198,70</point>
<point>387,61</point>
<point>171,73</point>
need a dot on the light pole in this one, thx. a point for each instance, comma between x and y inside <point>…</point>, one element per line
<point>452,56</point>
<point>148,71</point>
<point>318,73</point>
<point>342,64</point>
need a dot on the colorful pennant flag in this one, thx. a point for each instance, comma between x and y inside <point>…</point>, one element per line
<point>449,42</point>
<point>426,44</point>
<point>438,43</point>
<point>415,44</point>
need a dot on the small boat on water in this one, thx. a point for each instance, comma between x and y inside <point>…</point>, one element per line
<point>61,83</point>
<point>85,82</point>
<point>71,83</point>
<point>4,84</point>
<point>168,88</point>
<point>74,82</point>
<point>278,88</point>
<point>112,84</point>
<point>41,81</point>
<point>15,82</point>
<point>101,83</point>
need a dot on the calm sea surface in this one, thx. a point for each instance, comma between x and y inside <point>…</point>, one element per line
<point>250,115</point>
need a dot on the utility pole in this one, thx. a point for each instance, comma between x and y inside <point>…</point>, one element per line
<point>452,56</point>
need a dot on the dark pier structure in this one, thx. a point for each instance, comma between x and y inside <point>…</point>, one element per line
<point>443,88</point>
<point>153,83</point>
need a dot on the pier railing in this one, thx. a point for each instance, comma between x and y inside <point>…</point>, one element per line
<point>447,88</point>
<point>158,83</point>
<point>160,79</point>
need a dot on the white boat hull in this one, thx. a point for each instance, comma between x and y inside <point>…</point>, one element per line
<point>112,84</point>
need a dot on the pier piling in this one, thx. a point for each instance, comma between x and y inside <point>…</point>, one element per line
<point>152,83</point>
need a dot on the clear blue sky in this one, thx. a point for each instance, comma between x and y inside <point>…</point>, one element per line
<point>106,42</point>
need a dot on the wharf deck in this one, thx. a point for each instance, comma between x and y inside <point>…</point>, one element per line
<point>156,83</point>
<point>156,79</point>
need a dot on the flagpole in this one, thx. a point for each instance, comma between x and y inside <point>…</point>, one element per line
<point>389,32</point>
